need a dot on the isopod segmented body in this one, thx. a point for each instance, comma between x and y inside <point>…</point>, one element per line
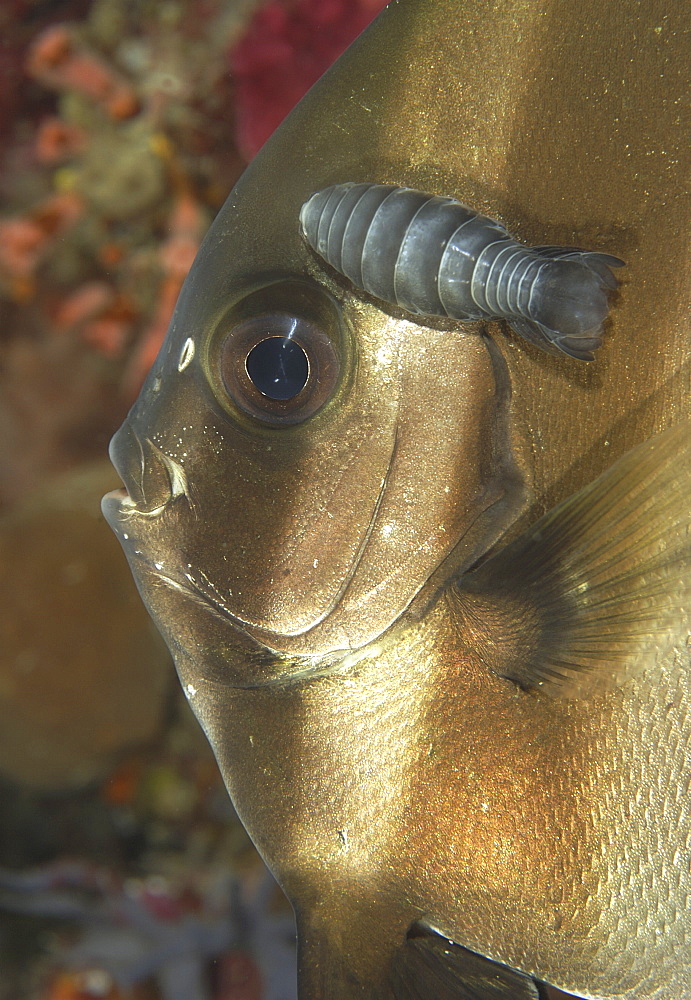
<point>434,256</point>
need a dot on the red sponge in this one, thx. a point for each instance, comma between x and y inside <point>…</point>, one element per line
<point>286,48</point>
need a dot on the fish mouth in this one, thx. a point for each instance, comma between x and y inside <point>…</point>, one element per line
<point>152,483</point>
<point>114,504</point>
<point>152,480</point>
<point>118,505</point>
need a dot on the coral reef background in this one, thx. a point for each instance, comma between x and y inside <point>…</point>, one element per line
<point>124,872</point>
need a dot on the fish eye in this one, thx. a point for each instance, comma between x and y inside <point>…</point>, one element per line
<point>279,367</point>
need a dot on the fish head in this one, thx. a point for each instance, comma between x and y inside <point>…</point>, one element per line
<point>301,467</point>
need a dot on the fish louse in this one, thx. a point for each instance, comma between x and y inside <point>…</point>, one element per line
<point>434,256</point>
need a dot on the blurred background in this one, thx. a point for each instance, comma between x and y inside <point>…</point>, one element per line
<point>124,872</point>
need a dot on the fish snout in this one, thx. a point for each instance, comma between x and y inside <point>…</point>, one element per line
<point>152,479</point>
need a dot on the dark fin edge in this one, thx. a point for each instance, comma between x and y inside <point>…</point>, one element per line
<point>598,585</point>
<point>430,967</point>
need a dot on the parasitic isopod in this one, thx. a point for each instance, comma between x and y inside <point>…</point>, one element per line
<point>435,256</point>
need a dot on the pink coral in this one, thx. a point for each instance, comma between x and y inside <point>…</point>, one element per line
<point>239,977</point>
<point>102,317</point>
<point>286,48</point>
<point>57,140</point>
<point>89,300</point>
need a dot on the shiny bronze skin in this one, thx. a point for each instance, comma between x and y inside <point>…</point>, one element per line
<point>360,706</point>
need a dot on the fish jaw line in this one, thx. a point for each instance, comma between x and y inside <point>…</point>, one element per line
<point>250,646</point>
<point>137,459</point>
<point>298,652</point>
<point>204,592</point>
<point>286,668</point>
<point>265,640</point>
<point>264,634</point>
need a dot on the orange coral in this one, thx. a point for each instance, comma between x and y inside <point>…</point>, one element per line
<point>21,241</point>
<point>112,283</point>
<point>239,977</point>
<point>89,300</point>
<point>89,984</point>
<point>103,317</point>
<point>24,239</point>
<point>57,140</point>
<point>108,334</point>
<point>186,223</point>
<point>58,60</point>
<point>123,783</point>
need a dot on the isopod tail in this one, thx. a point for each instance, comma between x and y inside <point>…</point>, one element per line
<point>570,301</point>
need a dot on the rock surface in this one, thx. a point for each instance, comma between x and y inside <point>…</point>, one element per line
<point>83,673</point>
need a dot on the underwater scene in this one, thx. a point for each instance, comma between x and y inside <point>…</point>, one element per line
<point>124,872</point>
<point>389,404</point>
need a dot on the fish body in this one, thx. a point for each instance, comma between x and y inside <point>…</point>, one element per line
<point>434,256</point>
<point>506,765</point>
<point>426,587</point>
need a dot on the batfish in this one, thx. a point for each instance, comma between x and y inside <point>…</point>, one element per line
<point>427,586</point>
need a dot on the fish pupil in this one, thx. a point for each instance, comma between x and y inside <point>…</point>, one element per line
<point>278,367</point>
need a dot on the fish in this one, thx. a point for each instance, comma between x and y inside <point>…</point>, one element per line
<point>435,256</point>
<point>453,769</point>
<point>426,586</point>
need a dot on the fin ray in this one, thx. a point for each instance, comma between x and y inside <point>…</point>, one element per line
<point>429,967</point>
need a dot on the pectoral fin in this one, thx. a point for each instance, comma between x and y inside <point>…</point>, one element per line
<point>600,584</point>
<point>428,967</point>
